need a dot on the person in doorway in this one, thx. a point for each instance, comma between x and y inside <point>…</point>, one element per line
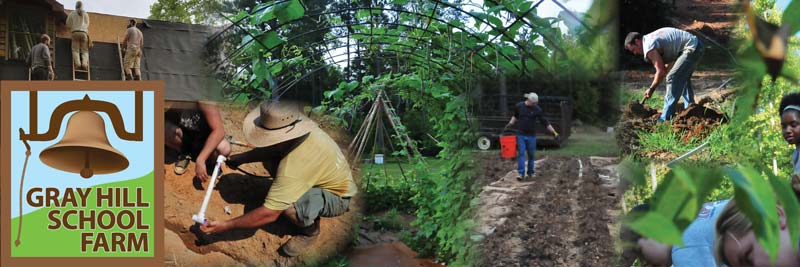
<point>698,239</point>
<point>312,176</point>
<point>526,113</point>
<point>133,42</point>
<point>39,61</point>
<point>78,23</point>
<point>674,54</point>
<point>736,245</point>
<point>197,133</point>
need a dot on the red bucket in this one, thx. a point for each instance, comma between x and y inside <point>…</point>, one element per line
<point>508,146</point>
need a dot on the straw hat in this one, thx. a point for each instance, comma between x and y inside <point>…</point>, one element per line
<point>274,122</point>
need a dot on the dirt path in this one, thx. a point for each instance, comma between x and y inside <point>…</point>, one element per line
<point>559,218</point>
<point>241,193</point>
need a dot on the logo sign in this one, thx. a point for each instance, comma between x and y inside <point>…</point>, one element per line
<point>82,168</point>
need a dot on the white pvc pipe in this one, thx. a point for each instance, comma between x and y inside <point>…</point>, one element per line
<point>200,217</point>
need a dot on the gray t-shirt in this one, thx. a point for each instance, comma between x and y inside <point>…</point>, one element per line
<point>698,239</point>
<point>671,43</point>
<point>40,56</point>
<point>795,161</point>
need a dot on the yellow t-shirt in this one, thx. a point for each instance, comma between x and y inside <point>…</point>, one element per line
<point>317,162</point>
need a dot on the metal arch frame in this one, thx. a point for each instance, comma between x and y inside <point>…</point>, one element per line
<point>282,89</point>
<point>334,62</point>
<point>489,44</point>
<point>351,34</point>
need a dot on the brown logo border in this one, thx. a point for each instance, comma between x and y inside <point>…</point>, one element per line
<point>158,171</point>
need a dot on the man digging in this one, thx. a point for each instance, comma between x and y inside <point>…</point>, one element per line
<point>674,54</point>
<point>525,115</point>
<point>312,176</point>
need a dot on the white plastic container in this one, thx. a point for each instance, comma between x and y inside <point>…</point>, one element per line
<point>378,158</point>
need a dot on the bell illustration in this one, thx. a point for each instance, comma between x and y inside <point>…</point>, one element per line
<point>84,148</point>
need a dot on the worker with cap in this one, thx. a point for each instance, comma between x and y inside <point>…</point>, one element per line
<point>133,51</point>
<point>78,23</point>
<point>526,113</point>
<point>312,176</point>
<point>39,60</point>
<point>674,54</point>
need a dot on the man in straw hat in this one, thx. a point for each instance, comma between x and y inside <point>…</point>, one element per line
<point>526,113</point>
<point>312,176</point>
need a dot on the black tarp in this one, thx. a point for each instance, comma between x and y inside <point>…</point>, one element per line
<point>176,53</point>
<point>173,52</point>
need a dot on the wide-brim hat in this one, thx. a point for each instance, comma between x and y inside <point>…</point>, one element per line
<point>275,122</point>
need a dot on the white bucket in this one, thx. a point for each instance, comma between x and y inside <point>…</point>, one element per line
<point>378,158</point>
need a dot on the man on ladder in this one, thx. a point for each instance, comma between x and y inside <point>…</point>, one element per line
<point>78,23</point>
<point>133,51</point>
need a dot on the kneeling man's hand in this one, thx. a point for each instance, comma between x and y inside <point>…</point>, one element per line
<point>213,227</point>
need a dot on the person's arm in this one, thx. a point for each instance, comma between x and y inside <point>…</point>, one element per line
<point>546,123</point>
<point>125,39</point>
<point>214,119</point>
<point>661,71</point>
<point>255,218</point>
<point>51,74</point>
<point>513,118</point>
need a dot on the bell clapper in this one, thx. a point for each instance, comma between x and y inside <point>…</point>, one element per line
<point>86,172</point>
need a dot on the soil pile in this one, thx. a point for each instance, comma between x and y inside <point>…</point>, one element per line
<point>561,217</point>
<point>696,121</point>
<point>239,192</point>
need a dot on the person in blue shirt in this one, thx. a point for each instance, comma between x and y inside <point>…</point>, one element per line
<point>736,245</point>
<point>698,242</point>
<point>526,113</point>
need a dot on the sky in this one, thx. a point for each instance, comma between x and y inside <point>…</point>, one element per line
<point>141,8</point>
<point>37,174</point>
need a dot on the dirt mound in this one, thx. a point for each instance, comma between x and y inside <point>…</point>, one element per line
<point>561,217</point>
<point>241,193</point>
<point>696,121</point>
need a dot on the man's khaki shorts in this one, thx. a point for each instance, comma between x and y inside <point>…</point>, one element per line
<point>318,202</point>
<point>132,57</point>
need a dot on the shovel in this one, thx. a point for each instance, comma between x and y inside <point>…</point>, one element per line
<point>200,217</point>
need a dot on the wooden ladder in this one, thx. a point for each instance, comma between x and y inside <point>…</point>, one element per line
<point>88,73</point>
<point>121,65</point>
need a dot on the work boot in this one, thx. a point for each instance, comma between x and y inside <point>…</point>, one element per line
<point>299,243</point>
<point>519,177</point>
<point>128,77</point>
<point>137,77</point>
<point>181,164</point>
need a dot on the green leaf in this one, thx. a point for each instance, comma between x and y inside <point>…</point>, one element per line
<point>657,227</point>
<point>791,15</point>
<point>496,9</point>
<point>755,199</point>
<point>788,199</point>
<point>289,11</point>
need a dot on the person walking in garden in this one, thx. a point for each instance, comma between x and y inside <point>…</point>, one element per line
<point>674,54</point>
<point>312,176</point>
<point>526,113</point>
<point>78,23</point>
<point>133,42</point>
<point>39,61</point>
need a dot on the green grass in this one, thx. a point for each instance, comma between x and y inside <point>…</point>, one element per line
<point>663,139</point>
<point>390,221</point>
<point>39,241</point>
